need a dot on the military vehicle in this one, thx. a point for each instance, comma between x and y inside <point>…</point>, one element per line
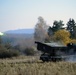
<point>55,52</point>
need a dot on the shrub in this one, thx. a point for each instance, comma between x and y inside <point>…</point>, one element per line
<point>13,52</point>
<point>63,36</point>
<point>29,51</point>
<point>7,53</point>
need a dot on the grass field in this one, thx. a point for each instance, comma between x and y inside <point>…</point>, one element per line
<point>33,66</point>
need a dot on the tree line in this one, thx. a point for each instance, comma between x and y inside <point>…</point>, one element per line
<point>55,32</point>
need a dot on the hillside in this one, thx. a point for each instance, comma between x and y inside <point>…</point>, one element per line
<point>20,31</point>
<point>21,37</point>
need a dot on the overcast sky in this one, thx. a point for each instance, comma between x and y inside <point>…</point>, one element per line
<point>21,14</point>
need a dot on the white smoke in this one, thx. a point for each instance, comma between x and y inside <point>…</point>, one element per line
<point>71,58</point>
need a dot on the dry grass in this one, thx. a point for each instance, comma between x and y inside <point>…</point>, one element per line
<point>30,66</point>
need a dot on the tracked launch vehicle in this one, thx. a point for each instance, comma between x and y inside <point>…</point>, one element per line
<point>52,52</point>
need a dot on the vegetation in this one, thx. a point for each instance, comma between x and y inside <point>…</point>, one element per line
<point>71,27</point>
<point>57,25</point>
<point>11,46</point>
<point>11,49</point>
<point>63,36</point>
<point>29,51</point>
<point>20,67</point>
<point>41,30</point>
<point>7,51</point>
<point>45,33</point>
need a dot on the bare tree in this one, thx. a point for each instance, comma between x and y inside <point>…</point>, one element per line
<point>41,30</point>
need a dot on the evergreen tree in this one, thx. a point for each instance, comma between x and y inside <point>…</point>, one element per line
<point>57,25</point>
<point>71,27</point>
<point>50,31</point>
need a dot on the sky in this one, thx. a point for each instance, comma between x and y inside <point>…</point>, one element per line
<point>23,14</point>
